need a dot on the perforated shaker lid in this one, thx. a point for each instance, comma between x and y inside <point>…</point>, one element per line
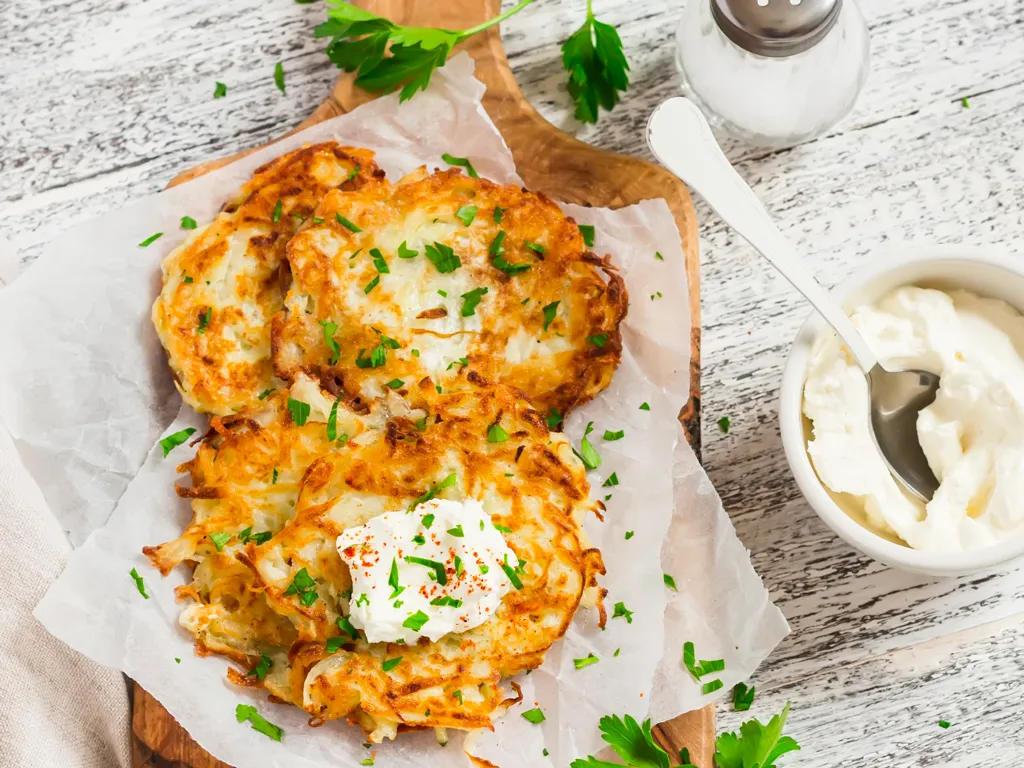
<point>775,27</point>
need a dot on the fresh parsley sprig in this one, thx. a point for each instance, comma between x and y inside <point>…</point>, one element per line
<point>596,65</point>
<point>360,43</point>
<point>755,746</point>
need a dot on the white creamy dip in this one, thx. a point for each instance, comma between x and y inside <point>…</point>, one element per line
<point>442,567</point>
<point>972,435</point>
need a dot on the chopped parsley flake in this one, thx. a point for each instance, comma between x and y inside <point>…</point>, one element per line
<point>150,240</point>
<point>428,520</point>
<point>265,392</point>
<point>187,222</point>
<point>436,567</point>
<point>496,434</point>
<point>723,424</point>
<point>346,626</point>
<point>299,411</point>
<point>598,340</point>
<point>390,664</point>
<point>502,528</point>
<point>171,442</point>
<point>621,610</point>
<point>554,418</point>
<point>442,257</point>
<point>610,436</point>
<point>945,723</point>
<point>395,384</point>
<point>219,540</point>
<point>629,535</point>
<point>279,76</point>
<point>204,320</point>
<point>617,651</point>
<point>187,280</point>
<point>261,669</point>
<point>644,407</point>
<point>498,211</point>
<point>276,215</point>
<point>304,587</point>
<point>588,455</point>
<point>317,220</point>
<point>420,539</point>
<point>456,531</point>
<point>670,582</point>
<point>613,480</point>
<point>332,421</point>
<point>416,621</point>
<point>346,223</point>
<point>461,162</point>
<point>446,483</point>
<point>535,716</point>
<point>273,477</point>
<point>220,90</point>
<point>244,712</point>
<point>329,330</point>
<point>586,662</point>
<point>550,310</point>
<point>442,294</point>
<point>658,256</point>
<point>535,247</point>
<point>405,252</point>
<point>466,214</point>
<point>139,583</point>
<point>472,298</point>
<point>372,284</point>
<point>742,697</point>
<point>512,575</point>
<point>379,262</point>
<point>711,687</point>
<point>587,231</point>
<point>446,600</point>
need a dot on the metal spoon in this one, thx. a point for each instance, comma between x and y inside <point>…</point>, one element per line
<point>680,138</point>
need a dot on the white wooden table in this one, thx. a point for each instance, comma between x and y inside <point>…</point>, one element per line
<point>101,102</point>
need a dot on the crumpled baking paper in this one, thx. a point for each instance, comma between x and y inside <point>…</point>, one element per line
<point>87,394</point>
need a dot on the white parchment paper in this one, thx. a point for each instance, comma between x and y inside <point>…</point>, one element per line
<point>89,394</point>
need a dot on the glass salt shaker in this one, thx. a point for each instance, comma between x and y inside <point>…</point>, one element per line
<point>772,73</point>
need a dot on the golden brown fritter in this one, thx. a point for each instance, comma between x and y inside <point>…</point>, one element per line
<point>441,277</point>
<point>531,484</point>
<point>223,285</point>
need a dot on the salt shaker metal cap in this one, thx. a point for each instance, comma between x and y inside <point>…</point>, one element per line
<point>775,27</point>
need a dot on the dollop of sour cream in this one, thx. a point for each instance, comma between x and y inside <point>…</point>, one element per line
<point>442,567</point>
<point>972,435</point>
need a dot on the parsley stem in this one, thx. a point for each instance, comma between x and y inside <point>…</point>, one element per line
<point>498,19</point>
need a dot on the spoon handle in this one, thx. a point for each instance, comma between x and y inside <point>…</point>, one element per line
<point>681,139</point>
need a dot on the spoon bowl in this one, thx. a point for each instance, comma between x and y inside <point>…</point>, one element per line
<point>681,139</point>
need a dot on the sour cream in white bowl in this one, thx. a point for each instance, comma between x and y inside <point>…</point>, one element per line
<point>951,310</point>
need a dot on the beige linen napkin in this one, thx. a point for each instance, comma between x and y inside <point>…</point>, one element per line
<point>58,708</point>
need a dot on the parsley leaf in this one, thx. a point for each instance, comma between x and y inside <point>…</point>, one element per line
<point>461,162</point>
<point>372,284</point>
<point>405,252</point>
<point>723,424</point>
<point>279,76</point>
<point>275,216</point>
<point>261,669</point>
<point>598,340</point>
<point>550,310</point>
<point>587,231</point>
<point>299,411</point>
<point>670,582</point>
<point>498,212</point>
<point>554,418</point>
<point>150,240</point>
<point>496,434</point>
<point>219,540</point>
<point>742,697</point>
<point>597,67</point>
<point>613,480</point>
<point>472,299</point>
<point>416,621</point>
<point>438,568</point>
<point>756,744</point>
<point>644,407</point>
<point>588,455</point>
<point>585,662</point>
<point>621,610</point>
<point>346,626</point>
<point>139,583</point>
<point>304,587</point>
<point>329,330</point>
<point>535,247</point>
<point>347,225</point>
<point>466,214</point>
<point>244,712</point>
<point>187,222</point>
<point>610,436</point>
<point>457,532</point>
<point>446,483</point>
<point>511,573</point>
<point>632,741</point>
<point>171,442</point>
<point>442,257</point>
<point>379,262</point>
<point>942,723</point>
<point>390,664</point>
<point>332,421</point>
<point>204,320</point>
<point>219,90</point>
<point>535,716</point>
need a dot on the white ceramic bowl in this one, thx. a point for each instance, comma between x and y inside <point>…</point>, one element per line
<point>980,271</point>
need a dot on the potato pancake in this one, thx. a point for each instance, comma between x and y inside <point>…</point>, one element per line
<point>274,488</point>
<point>223,285</point>
<point>449,278</point>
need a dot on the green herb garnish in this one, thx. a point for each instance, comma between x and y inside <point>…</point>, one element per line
<point>299,411</point>
<point>442,257</point>
<point>461,162</point>
<point>139,583</point>
<point>244,712</point>
<point>171,442</point>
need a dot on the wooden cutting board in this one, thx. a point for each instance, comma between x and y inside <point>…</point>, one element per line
<point>548,161</point>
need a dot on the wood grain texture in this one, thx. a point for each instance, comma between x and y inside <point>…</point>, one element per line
<point>105,102</point>
<point>548,161</point>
